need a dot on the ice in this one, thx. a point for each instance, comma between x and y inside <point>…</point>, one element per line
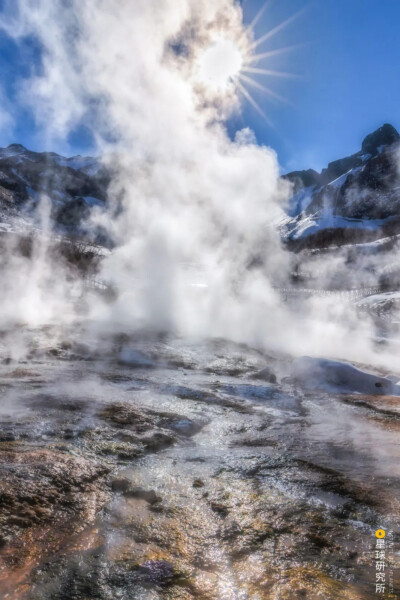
<point>337,183</point>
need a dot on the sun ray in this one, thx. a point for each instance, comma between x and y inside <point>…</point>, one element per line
<point>248,30</point>
<point>263,89</point>
<point>276,29</point>
<point>229,62</point>
<point>256,57</point>
<point>255,105</point>
<point>258,16</point>
<point>271,72</point>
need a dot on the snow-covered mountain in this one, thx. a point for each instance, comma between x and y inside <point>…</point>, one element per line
<point>355,199</point>
<point>74,185</point>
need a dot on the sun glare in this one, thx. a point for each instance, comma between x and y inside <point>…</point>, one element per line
<point>232,63</point>
<point>220,64</point>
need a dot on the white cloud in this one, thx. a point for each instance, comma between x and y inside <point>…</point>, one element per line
<point>6,117</point>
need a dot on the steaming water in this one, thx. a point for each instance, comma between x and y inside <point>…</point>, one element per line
<point>145,467</point>
<point>254,479</point>
<point>182,193</point>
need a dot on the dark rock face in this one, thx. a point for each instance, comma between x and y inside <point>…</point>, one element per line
<point>384,136</point>
<point>158,572</point>
<point>73,185</point>
<point>360,193</point>
<point>363,187</point>
<point>303,178</point>
<point>337,168</point>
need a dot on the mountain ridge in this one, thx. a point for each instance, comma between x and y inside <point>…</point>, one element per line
<point>74,184</point>
<point>360,193</point>
<point>354,199</point>
<point>385,135</point>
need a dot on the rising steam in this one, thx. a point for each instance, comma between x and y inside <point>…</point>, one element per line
<point>194,213</point>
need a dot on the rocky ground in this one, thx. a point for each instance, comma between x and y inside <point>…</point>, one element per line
<point>164,469</point>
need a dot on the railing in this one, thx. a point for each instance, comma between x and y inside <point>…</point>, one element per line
<point>351,294</point>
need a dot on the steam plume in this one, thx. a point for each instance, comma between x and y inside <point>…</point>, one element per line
<point>193,213</point>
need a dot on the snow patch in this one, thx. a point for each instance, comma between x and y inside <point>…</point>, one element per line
<point>337,183</point>
<point>306,225</point>
<point>86,164</point>
<point>301,200</point>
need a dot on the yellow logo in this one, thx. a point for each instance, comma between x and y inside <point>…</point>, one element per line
<point>380,533</point>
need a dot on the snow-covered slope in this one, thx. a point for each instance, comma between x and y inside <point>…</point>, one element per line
<point>73,185</point>
<point>356,198</point>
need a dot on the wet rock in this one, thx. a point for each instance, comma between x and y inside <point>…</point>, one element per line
<point>127,436</point>
<point>320,541</point>
<point>120,485</point>
<point>265,374</point>
<point>340,377</point>
<point>331,480</point>
<point>85,576</point>
<point>185,427</point>
<point>8,436</point>
<point>388,406</point>
<point>187,393</point>
<point>254,442</point>
<point>47,402</point>
<point>45,497</point>
<point>21,373</point>
<point>137,492</point>
<point>292,522</point>
<point>135,358</point>
<point>220,508</point>
<point>116,377</point>
<point>157,441</point>
<point>157,572</point>
<point>245,391</point>
<point>198,483</point>
<point>122,450</point>
<point>126,414</point>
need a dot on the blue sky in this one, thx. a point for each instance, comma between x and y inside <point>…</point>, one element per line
<point>350,84</point>
<point>351,77</point>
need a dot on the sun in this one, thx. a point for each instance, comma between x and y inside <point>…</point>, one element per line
<point>220,64</point>
<point>230,63</point>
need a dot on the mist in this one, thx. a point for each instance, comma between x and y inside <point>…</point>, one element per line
<point>192,213</point>
<point>195,402</point>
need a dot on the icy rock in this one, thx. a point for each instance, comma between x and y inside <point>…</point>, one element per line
<point>134,358</point>
<point>317,373</point>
